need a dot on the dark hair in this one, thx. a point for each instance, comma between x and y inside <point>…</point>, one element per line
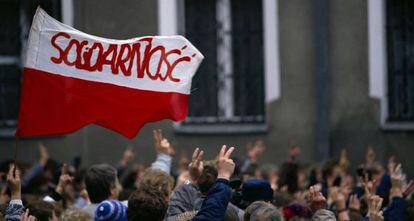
<point>146,204</point>
<point>289,177</point>
<point>42,210</point>
<point>207,177</point>
<point>99,180</point>
<point>328,168</point>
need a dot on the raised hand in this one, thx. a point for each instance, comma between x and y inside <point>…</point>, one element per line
<point>397,179</point>
<point>340,202</point>
<point>338,198</point>
<point>255,150</point>
<point>43,153</point>
<point>13,180</point>
<point>316,200</point>
<point>391,164</point>
<point>26,217</point>
<point>369,186</point>
<point>354,203</point>
<point>128,155</point>
<point>225,163</point>
<point>374,208</point>
<point>64,180</point>
<point>343,160</point>
<point>195,168</point>
<point>294,151</point>
<point>370,156</point>
<point>162,145</point>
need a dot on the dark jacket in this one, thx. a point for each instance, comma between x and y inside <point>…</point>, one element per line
<point>396,210</point>
<point>184,199</point>
<point>215,205</point>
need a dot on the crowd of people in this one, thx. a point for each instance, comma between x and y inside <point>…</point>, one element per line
<point>224,188</point>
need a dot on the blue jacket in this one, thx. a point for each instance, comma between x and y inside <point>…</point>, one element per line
<point>396,211</point>
<point>215,205</point>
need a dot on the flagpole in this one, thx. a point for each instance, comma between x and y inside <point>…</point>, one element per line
<point>16,153</point>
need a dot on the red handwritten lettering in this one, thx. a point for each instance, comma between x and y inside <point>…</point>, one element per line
<point>120,57</point>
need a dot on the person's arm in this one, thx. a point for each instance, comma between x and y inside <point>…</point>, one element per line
<point>374,208</point>
<point>254,151</point>
<point>396,210</point>
<point>215,205</point>
<point>15,208</point>
<point>354,207</point>
<point>163,163</point>
<point>37,167</point>
<point>164,152</point>
<point>185,194</point>
<point>340,202</point>
<point>317,204</point>
<point>64,180</point>
<point>183,200</point>
<point>123,163</point>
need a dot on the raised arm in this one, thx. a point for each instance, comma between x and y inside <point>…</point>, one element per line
<point>165,151</point>
<point>15,208</point>
<point>215,205</point>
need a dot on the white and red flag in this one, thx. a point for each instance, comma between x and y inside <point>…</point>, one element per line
<point>72,79</point>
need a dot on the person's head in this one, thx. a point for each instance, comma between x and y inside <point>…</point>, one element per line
<point>262,211</point>
<point>255,190</point>
<point>302,178</point>
<point>132,178</point>
<point>102,183</point>
<point>75,215</point>
<point>208,176</point>
<point>289,177</point>
<point>268,172</point>
<point>42,210</point>
<point>377,170</point>
<point>158,180</point>
<point>315,175</point>
<point>146,204</point>
<point>231,214</point>
<point>110,210</point>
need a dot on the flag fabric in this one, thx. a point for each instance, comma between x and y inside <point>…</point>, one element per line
<point>72,79</point>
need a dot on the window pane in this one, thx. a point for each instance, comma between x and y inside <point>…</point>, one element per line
<point>247,28</point>
<point>52,7</point>
<point>400,48</point>
<point>9,92</point>
<point>200,29</point>
<point>10,28</point>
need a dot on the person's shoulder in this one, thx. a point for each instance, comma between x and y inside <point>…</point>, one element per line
<point>90,209</point>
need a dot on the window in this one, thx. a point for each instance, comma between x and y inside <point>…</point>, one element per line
<point>228,91</point>
<point>400,60</point>
<point>15,22</point>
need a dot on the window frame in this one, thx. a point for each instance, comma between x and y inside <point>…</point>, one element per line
<point>378,63</point>
<point>171,22</point>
